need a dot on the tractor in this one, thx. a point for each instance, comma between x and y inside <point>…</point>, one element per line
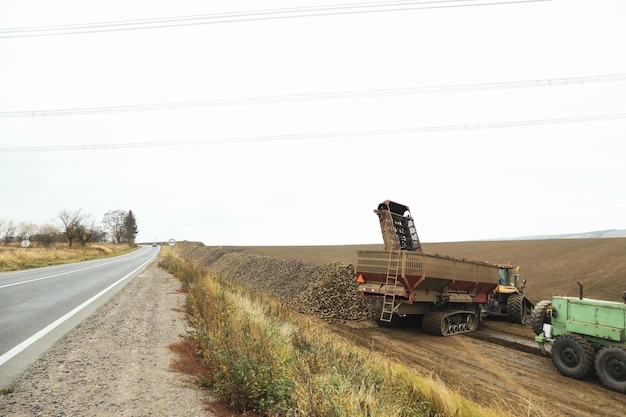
<point>508,299</point>
<point>585,334</point>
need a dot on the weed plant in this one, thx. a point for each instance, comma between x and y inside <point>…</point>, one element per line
<point>260,357</point>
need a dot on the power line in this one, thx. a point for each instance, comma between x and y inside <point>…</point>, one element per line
<point>339,95</point>
<point>245,16</point>
<point>318,135</point>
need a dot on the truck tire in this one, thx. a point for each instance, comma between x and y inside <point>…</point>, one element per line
<point>538,316</point>
<point>611,367</point>
<point>517,309</point>
<point>573,356</point>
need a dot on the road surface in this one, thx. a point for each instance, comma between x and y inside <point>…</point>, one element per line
<point>38,306</point>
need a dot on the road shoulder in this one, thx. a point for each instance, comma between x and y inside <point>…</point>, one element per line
<point>117,361</point>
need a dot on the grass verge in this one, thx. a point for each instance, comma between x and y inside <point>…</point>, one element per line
<point>259,357</point>
<point>13,257</point>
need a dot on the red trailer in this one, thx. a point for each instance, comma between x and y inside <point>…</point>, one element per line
<point>450,294</point>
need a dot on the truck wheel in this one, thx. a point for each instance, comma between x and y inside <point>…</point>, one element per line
<point>538,316</point>
<point>573,356</point>
<point>611,367</point>
<point>516,309</point>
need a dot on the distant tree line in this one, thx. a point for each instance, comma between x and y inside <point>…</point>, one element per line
<point>72,227</point>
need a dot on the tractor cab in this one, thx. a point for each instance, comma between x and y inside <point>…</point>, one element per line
<point>508,298</point>
<point>509,279</point>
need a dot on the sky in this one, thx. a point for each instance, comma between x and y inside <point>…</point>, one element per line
<point>287,122</point>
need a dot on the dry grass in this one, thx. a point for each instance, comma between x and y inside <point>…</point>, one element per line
<point>14,257</point>
<point>261,358</point>
<point>188,359</point>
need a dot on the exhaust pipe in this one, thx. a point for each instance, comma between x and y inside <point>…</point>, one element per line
<point>580,290</point>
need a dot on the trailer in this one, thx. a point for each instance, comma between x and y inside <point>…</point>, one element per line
<point>450,295</point>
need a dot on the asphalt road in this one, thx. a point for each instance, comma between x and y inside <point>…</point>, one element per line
<point>38,306</point>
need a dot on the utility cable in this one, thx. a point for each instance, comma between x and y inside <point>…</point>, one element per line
<point>339,95</point>
<point>318,135</point>
<point>245,16</point>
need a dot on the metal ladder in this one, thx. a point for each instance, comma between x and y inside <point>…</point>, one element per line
<point>389,300</point>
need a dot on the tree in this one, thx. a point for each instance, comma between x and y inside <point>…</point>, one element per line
<point>47,234</point>
<point>71,223</point>
<point>7,230</point>
<point>115,222</point>
<point>130,228</point>
<point>87,231</point>
<point>26,230</point>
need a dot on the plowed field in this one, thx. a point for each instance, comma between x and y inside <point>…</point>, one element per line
<point>498,365</point>
<point>551,267</point>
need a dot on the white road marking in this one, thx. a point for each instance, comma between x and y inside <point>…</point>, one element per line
<point>41,333</point>
<point>58,275</point>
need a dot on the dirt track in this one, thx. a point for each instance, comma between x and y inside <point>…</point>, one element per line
<point>503,375</point>
<point>489,373</point>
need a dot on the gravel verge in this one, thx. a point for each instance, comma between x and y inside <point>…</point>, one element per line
<point>116,362</point>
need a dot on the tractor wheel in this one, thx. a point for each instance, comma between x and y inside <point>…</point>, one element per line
<point>611,367</point>
<point>573,356</point>
<point>538,316</point>
<point>517,310</point>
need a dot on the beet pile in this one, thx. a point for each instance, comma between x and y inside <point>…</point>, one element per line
<point>326,291</point>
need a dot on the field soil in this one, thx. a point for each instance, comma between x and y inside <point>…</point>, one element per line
<point>498,365</point>
<point>551,267</point>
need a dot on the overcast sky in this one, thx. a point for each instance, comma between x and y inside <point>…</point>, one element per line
<point>287,122</point>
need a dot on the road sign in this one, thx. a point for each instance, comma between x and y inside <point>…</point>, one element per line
<point>25,243</point>
<point>171,242</point>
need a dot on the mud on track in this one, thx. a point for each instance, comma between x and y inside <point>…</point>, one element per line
<point>523,383</point>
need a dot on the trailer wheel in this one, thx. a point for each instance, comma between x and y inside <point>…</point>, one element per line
<point>573,356</point>
<point>538,316</point>
<point>444,326</point>
<point>382,323</point>
<point>611,367</point>
<point>471,322</point>
<point>517,310</point>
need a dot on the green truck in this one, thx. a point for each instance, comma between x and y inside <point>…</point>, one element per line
<point>585,334</point>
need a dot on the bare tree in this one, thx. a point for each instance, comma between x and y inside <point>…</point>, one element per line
<point>71,223</point>
<point>114,222</point>
<point>47,234</point>
<point>7,230</point>
<point>87,231</point>
<point>26,230</point>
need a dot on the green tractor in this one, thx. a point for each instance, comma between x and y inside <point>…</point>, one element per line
<point>585,334</point>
